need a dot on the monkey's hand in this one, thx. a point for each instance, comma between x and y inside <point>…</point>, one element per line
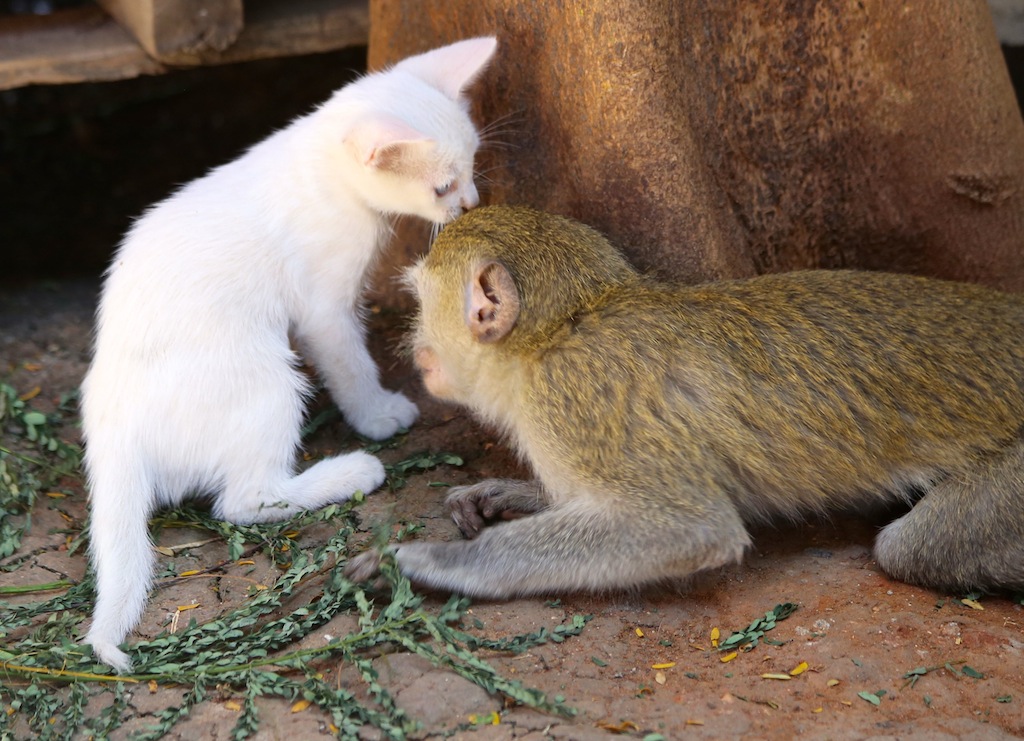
<point>364,567</point>
<point>472,506</point>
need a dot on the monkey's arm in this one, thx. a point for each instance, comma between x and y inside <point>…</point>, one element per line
<point>471,506</point>
<point>579,545</point>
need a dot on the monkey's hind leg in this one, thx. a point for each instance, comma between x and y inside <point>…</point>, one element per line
<point>577,546</point>
<point>967,533</point>
<point>471,506</point>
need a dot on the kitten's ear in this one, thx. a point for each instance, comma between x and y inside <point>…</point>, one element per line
<point>492,303</point>
<point>379,141</point>
<point>452,68</point>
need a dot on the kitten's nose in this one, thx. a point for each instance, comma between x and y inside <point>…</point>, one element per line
<point>470,199</point>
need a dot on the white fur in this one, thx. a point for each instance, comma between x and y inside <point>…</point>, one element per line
<point>194,387</point>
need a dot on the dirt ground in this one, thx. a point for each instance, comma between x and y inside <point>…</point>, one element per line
<point>857,630</point>
<point>66,188</point>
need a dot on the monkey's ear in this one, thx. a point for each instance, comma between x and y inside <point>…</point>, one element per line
<point>492,303</point>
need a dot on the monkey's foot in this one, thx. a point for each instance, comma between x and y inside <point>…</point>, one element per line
<point>472,506</point>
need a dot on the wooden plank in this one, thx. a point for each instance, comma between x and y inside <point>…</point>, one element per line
<point>168,29</point>
<point>279,28</point>
<point>86,44</point>
<point>69,46</point>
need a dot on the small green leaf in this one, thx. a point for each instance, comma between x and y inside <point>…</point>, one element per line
<point>598,661</point>
<point>970,671</point>
<point>37,419</point>
<point>870,697</point>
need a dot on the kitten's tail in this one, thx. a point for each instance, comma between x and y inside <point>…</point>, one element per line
<point>121,553</point>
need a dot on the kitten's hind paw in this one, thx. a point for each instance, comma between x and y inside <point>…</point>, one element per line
<point>360,472</point>
<point>383,416</point>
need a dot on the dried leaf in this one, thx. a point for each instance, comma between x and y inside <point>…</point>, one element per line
<point>798,669</point>
<point>300,705</point>
<point>666,665</point>
<point>775,676</point>
<point>624,727</point>
<point>973,604</point>
<point>832,682</point>
<point>715,635</point>
<point>29,395</point>
<point>233,705</point>
<point>729,657</point>
<point>639,632</point>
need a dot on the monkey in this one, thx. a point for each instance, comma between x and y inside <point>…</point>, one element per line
<point>661,421</point>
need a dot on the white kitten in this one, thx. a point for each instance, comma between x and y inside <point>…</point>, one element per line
<point>194,388</point>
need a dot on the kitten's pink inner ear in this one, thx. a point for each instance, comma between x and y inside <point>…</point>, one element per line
<point>492,303</point>
<point>379,141</point>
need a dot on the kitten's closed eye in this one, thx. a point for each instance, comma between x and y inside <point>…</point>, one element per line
<point>445,189</point>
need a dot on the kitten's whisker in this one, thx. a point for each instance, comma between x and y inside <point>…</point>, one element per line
<point>491,145</point>
<point>512,117</point>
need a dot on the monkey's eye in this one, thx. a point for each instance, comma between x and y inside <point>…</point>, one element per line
<point>445,189</point>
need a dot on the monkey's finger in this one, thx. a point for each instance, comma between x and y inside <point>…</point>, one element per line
<point>510,514</point>
<point>467,518</point>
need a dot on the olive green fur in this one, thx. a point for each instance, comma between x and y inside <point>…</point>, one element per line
<point>662,419</point>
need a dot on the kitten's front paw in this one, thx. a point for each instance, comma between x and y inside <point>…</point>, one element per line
<point>384,415</point>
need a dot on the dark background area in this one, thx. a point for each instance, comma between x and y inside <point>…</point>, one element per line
<point>79,162</point>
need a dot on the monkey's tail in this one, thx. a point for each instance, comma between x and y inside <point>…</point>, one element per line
<point>121,554</point>
<point>965,534</point>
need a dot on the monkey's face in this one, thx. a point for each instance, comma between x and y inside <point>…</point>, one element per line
<point>466,308</point>
<point>438,339</point>
<point>434,378</point>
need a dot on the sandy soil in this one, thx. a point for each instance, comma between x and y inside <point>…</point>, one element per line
<point>857,630</point>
